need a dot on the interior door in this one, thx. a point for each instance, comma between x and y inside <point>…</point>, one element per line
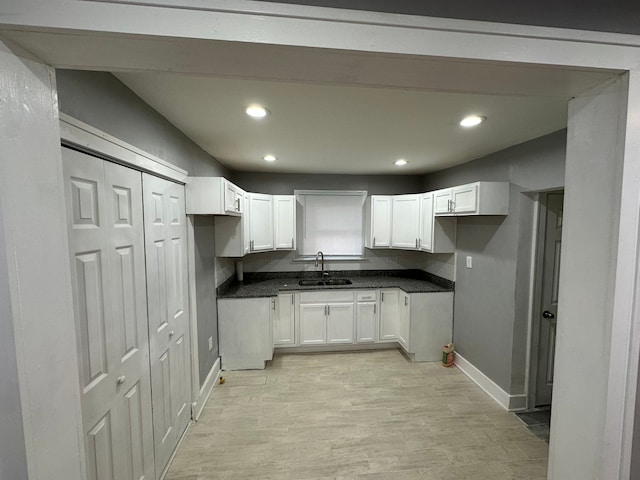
<point>549,298</point>
<point>166,259</point>
<point>105,222</point>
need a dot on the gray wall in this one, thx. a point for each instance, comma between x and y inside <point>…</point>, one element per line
<point>285,184</point>
<point>13,459</point>
<point>205,293</point>
<point>102,101</point>
<point>491,301</point>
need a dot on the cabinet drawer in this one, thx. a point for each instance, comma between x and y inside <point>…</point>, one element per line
<point>327,296</point>
<point>367,296</point>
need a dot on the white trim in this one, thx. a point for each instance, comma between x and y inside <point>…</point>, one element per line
<point>193,308</point>
<point>205,392</point>
<point>507,401</point>
<point>90,139</point>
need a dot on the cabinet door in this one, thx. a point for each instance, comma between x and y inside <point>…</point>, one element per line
<point>260,222</point>
<point>244,329</point>
<point>405,221</point>
<point>366,321</point>
<point>442,201</point>
<point>404,319</point>
<point>231,198</point>
<point>246,239</point>
<point>389,314</point>
<point>426,222</point>
<point>340,323</point>
<point>380,221</point>
<point>465,198</point>
<point>284,210</point>
<point>313,324</point>
<point>284,320</point>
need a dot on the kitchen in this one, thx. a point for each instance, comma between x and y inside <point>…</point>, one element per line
<point>554,144</point>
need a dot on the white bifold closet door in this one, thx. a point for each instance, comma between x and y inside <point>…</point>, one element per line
<point>106,242</point>
<point>167,297</point>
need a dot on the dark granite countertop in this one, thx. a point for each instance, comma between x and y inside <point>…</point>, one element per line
<point>269,284</point>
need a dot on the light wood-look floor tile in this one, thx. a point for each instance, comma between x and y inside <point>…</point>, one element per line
<point>365,416</point>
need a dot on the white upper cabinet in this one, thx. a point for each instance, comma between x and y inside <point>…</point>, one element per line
<point>213,196</point>
<point>284,213</point>
<point>378,221</point>
<point>405,221</point>
<point>260,222</point>
<point>437,234</point>
<point>479,198</point>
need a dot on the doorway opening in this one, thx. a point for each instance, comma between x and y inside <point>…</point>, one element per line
<point>544,311</point>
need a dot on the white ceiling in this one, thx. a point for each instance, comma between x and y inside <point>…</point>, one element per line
<point>321,128</point>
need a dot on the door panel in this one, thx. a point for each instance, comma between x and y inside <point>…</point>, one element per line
<point>165,239</point>
<point>549,298</point>
<point>104,201</point>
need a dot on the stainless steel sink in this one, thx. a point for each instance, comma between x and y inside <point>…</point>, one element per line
<point>328,282</point>
<point>337,281</point>
<point>310,283</point>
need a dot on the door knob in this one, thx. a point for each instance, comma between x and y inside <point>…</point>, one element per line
<point>548,314</point>
<point>120,380</point>
<point>171,333</point>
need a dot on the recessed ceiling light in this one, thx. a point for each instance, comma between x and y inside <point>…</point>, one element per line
<point>400,162</point>
<point>270,158</point>
<point>472,120</point>
<point>257,111</point>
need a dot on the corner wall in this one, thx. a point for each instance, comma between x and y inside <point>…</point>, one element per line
<point>491,301</point>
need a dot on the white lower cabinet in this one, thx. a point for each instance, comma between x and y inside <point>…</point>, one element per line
<point>313,324</point>
<point>249,328</point>
<point>284,321</point>
<point>389,322</point>
<point>340,322</point>
<point>326,323</point>
<point>326,317</point>
<point>430,325</point>
<point>245,332</point>
<point>404,319</point>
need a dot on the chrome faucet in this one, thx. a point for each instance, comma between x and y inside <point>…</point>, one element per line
<point>324,274</point>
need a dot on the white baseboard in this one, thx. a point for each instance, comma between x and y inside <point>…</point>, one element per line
<point>205,391</point>
<point>507,401</point>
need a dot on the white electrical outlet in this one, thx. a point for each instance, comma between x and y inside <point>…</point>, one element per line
<point>469,262</point>
<point>210,343</point>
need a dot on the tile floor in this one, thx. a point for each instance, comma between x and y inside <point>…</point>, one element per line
<point>366,415</point>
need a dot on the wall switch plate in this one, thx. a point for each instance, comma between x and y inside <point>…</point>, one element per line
<point>469,262</point>
<point>210,343</point>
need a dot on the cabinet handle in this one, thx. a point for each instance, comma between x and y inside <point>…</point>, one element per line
<point>292,246</point>
<point>416,243</point>
<point>374,241</point>
<point>419,243</point>
<point>406,300</point>
<point>291,299</point>
<point>238,202</point>
<point>374,308</point>
<point>382,296</point>
<point>328,310</point>
<point>448,205</point>
<point>273,304</point>
<point>453,206</point>
<point>251,245</point>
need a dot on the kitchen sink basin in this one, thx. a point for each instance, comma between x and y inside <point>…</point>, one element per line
<point>310,283</point>
<point>337,281</point>
<point>329,282</point>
